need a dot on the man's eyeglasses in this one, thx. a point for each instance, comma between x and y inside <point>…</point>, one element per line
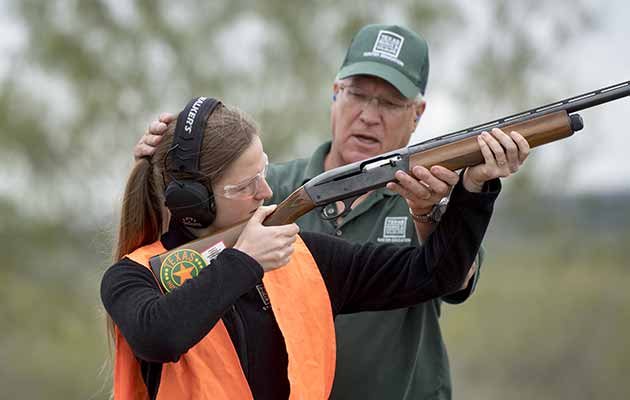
<point>357,97</point>
<point>248,188</point>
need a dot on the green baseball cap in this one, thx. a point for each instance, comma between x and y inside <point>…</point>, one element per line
<point>392,53</point>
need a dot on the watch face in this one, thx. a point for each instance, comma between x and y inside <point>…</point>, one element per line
<point>434,215</point>
<point>439,209</point>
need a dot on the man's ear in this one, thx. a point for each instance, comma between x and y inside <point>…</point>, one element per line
<point>335,91</point>
<point>420,108</point>
<point>418,111</point>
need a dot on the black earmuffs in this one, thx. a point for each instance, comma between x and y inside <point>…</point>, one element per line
<point>190,201</point>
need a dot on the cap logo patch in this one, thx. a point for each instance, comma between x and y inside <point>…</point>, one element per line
<point>387,45</point>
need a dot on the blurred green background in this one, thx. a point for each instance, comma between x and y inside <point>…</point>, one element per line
<point>81,80</point>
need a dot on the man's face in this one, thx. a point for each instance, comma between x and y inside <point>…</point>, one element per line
<point>361,128</point>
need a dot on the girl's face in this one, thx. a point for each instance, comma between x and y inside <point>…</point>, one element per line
<point>243,187</point>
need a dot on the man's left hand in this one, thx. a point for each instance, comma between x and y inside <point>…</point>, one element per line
<point>424,188</point>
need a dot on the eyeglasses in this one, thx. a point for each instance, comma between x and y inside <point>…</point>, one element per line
<point>248,188</point>
<point>358,97</point>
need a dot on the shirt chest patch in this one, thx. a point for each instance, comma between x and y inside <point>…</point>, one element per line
<point>394,230</point>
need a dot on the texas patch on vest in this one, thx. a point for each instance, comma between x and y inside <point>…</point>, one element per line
<point>186,264</point>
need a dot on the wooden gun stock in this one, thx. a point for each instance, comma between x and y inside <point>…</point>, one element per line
<point>227,237</point>
<point>290,209</point>
<point>466,153</point>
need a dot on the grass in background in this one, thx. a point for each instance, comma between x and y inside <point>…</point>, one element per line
<point>550,320</point>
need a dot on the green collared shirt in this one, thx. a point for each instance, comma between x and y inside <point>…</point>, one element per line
<point>397,354</point>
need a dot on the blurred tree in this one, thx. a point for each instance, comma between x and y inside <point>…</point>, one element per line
<point>92,74</point>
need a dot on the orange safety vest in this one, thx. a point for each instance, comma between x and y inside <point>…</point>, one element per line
<point>211,368</point>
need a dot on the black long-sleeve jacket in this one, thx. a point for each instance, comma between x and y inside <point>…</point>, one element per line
<point>160,328</point>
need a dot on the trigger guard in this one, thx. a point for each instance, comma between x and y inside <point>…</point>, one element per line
<point>325,211</point>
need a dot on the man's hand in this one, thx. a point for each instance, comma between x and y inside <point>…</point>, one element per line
<point>152,137</point>
<point>503,154</point>
<point>424,188</point>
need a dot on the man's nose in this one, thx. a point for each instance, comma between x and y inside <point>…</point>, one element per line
<point>371,113</point>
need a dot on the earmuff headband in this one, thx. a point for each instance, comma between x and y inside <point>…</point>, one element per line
<point>189,129</point>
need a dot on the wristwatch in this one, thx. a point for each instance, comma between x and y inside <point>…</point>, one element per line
<point>433,216</point>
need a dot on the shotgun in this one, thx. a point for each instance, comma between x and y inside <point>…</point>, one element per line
<point>454,151</point>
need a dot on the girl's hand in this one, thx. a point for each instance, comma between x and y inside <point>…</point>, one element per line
<point>271,246</point>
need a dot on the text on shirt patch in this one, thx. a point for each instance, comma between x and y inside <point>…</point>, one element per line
<point>394,230</point>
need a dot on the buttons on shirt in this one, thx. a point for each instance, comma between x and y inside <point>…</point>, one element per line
<point>338,232</point>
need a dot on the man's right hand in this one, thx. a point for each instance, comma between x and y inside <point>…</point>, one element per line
<point>152,137</point>
<point>271,246</point>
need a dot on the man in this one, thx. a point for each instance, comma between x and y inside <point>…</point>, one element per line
<point>376,104</point>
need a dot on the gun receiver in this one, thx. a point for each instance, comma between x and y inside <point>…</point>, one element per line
<point>454,151</point>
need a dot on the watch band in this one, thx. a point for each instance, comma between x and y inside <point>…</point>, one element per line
<point>423,218</point>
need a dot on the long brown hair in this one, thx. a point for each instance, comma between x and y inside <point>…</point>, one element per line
<point>228,133</point>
